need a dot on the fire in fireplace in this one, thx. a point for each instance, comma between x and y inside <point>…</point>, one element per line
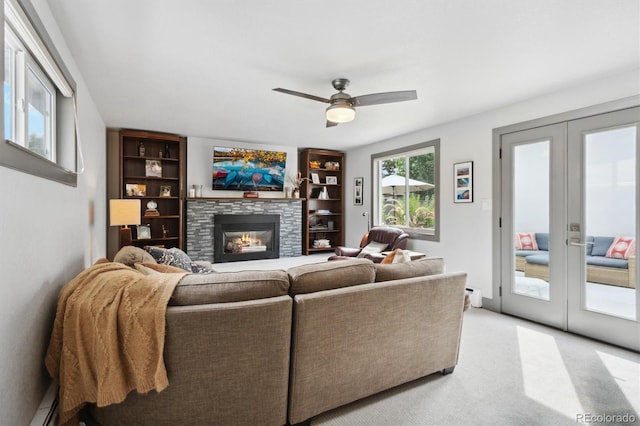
<point>246,237</point>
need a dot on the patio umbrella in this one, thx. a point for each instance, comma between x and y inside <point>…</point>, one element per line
<point>389,184</point>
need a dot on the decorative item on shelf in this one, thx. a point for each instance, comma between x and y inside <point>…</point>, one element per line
<point>332,165</point>
<point>332,180</point>
<point>288,192</point>
<point>324,194</point>
<point>192,191</point>
<point>165,191</point>
<point>141,149</point>
<point>314,164</point>
<point>167,154</point>
<point>198,191</point>
<point>136,189</point>
<point>124,213</point>
<point>321,243</point>
<point>144,232</point>
<point>164,232</point>
<point>151,209</point>
<point>315,178</point>
<point>250,194</point>
<point>330,225</point>
<point>297,182</point>
<point>153,168</point>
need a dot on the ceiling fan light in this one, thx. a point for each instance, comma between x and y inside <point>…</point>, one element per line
<point>340,113</point>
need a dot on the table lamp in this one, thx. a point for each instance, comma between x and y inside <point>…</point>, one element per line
<point>124,213</point>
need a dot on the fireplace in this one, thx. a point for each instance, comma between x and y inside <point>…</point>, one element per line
<point>245,237</point>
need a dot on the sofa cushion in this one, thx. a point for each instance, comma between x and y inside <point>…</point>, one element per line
<point>222,287</point>
<point>330,275</point>
<point>526,253</point>
<point>601,245</point>
<point>130,255</point>
<point>589,246</point>
<point>538,259</point>
<point>622,248</point>
<point>542,239</point>
<point>417,268</point>
<point>607,262</point>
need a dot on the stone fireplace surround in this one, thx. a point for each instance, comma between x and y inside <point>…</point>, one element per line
<point>200,223</point>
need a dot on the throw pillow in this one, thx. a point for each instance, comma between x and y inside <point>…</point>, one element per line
<point>622,248</point>
<point>130,255</point>
<point>526,241</point>
<point>372,247</point>
<point>389,258</point>
<point>177,258</point>
<point>402,256</point>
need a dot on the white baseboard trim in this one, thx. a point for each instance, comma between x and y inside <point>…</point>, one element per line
<point>48,410</point>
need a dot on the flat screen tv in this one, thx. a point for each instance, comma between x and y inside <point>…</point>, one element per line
<point>242,169</point>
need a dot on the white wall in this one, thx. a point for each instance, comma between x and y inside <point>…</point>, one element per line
<point>200,164</point>
<point>50,232</point>
<point>465,229</point>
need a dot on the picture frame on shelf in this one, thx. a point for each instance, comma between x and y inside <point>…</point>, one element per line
<point>153,168</point>
<point>165,191</point>
<point>357,191</point>
<point>315,178</point>
<point>463,182</point>
<point>331,180</point>
<point>143,232</point>
<point>135,189</point>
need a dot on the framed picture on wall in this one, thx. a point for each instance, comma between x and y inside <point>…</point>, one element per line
<point>357,191</point>
<point>463,182</point>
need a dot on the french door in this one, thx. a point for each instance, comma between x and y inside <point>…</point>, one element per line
<point>569,214</point>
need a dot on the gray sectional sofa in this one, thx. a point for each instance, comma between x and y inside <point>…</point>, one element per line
<point>277,347</point>
<point>600,269</point>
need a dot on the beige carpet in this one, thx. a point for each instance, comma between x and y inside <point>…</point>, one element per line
<point>511,372</point>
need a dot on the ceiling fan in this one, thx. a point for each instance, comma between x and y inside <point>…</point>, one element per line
<point>342,105</point>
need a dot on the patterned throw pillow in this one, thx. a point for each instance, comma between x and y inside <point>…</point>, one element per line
<point>622,248</point>
<point>175,257</point>
<point>526,241</point>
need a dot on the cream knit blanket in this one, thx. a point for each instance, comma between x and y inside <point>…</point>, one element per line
<point>108,336</point>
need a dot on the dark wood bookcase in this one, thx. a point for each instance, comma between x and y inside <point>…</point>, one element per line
<point>161,171</point>
<point>322,218</point>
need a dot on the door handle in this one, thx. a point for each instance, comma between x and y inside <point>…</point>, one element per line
<point>577,243</point>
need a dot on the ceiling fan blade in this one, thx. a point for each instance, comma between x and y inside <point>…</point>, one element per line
<point>331,124</point>
<point>384,98</point>
<point>302,95</point>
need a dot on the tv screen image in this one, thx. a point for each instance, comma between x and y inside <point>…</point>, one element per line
<point>242,169</point>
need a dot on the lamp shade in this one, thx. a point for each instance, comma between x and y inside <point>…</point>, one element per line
<point>124,212</point>
<point>341,112</point>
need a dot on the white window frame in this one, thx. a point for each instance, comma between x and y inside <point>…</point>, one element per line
<point>41,57</point>
<point>431,234</point>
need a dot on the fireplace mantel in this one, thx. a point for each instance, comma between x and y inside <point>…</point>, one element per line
<point>200,222</point>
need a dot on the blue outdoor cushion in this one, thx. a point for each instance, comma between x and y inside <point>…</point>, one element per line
<point>538,259</point>
<point>607,261</point>
<point>525,253</point>
<point>589,247</point>
<point>542,239</point>
<point>601,245</point>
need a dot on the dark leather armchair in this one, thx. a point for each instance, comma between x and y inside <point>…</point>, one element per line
<point>394,238</point>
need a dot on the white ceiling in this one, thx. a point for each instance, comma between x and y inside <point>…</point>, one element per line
<point>206,68</point>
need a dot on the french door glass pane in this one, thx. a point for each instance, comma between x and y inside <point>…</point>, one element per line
<point>531,173</point>
<point>8,92</point>
<point>610,212</point>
